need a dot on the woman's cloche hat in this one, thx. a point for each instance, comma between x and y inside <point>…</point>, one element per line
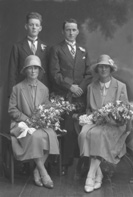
<point>32,60</point>
<point>106,60</point>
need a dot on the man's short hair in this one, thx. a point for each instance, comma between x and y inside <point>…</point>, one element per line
<point>33,15</point>
<point>71,20</point>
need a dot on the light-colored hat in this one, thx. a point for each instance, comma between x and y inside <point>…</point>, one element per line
<point>106,60</point>
<point>32,60</point>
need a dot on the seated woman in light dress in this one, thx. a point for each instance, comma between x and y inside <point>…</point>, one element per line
<point>25,97</point>
<point>102,141</point>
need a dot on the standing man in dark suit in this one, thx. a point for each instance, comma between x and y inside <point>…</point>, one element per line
<point>30,45</point>
<point>70,75</point>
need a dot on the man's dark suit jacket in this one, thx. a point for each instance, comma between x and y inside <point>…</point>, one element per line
<point>65,71</point>
<point>18,55</point>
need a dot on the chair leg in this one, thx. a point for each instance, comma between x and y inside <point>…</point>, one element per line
<point>60,165</point>
<point>60,158</point>
<point>12,169</point>
<point>129,156</point>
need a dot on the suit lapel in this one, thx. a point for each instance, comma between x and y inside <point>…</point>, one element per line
<point>28,98</point>
<point>66,51</point>
<point>27,95</point>
<point>39,50</point>
<point>26,47</point>
<point>111,90</point>
<point>78,54</point>
<point>39,93</point>
<point>28,50</point>
<point>96,94</point>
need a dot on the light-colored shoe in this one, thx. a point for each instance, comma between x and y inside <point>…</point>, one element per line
<point>89,184</point>
<point>37,178</point>
<point>47,182</point>
<point>98,182</point>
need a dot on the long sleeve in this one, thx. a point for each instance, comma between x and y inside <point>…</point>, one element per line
<point>13,68</point>
<point>56,67</point>
<point>88,108</point>
<point>13,110</point>
<point>87,78</point>
<point>123,94</point>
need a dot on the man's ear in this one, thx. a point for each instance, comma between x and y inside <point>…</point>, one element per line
<point>40,29</point>
<point>77,32</point>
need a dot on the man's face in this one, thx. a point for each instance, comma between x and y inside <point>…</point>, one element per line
<point>33,27</point>
<point>70,31</point>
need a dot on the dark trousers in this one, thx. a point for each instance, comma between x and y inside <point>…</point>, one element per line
<point>69,143</point>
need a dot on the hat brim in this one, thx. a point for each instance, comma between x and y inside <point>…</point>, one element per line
<point>23,69</point>
<point>94,66</point>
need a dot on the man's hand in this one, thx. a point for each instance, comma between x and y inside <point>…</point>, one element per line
<point>76,90</point>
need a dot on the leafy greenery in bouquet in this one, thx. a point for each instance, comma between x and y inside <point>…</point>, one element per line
<point>49,116</point>
<point>79,107</point>
<point>117,113</point>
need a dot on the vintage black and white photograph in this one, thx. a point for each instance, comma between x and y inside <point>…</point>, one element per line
<point>66,98</point>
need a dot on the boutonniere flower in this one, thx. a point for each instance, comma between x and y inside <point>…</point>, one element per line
<point>82,49</point>
<point>43,46</point>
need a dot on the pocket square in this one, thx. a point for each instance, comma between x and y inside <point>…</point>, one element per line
<point>83,57</point>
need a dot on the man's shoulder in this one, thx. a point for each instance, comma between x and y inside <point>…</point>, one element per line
<point>19,43</point>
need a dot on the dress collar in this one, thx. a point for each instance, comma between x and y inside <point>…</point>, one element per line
<point>106,85</point>
<point>32,84</point>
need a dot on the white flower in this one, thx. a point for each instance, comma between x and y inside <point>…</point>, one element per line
<point>111,62</point>
<point>82,49</point>
<point>85,119</point>
<point>43,46</point>
<point>40,107</point>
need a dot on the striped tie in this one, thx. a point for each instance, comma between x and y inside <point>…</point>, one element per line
<point>72,50</point>
<point>33,47</point>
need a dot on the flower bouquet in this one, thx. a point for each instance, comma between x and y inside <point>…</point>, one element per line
<point>49,116</point>
<point>60,103</point>
<point>117,113</point>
